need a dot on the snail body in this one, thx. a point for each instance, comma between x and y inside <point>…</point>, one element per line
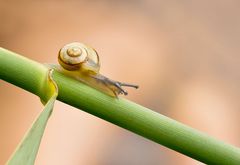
<point>82,62</point>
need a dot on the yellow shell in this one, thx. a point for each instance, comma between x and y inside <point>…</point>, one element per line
<point>77,56</point>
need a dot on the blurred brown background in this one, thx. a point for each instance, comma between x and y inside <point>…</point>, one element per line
<point>183,54</point>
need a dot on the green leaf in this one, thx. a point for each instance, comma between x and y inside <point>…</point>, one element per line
<point>26,152</point>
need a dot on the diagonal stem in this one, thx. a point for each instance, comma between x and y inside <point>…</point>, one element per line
<point>28,75</point>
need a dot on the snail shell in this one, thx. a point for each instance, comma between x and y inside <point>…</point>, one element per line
<point>77,56</point>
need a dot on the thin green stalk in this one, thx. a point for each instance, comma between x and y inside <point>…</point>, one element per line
<point>28,75</point>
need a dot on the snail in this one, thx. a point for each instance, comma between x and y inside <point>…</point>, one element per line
<point>81,62</point>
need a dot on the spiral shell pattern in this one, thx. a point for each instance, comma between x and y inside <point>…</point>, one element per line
<point>72,55</point>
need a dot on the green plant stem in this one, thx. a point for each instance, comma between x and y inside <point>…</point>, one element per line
<point>28,75</point>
